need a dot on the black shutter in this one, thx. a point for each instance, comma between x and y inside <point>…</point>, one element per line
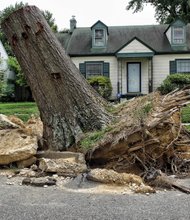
<point>82,69</point>
<point>106,69</point>
<point>172,67</point>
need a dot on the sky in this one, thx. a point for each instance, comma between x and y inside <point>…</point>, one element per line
<point>88,12</point>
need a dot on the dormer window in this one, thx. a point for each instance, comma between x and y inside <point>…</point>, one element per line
<point>99,37</point>
<point>178,35</point>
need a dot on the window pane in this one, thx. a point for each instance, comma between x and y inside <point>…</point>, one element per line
<point>99,42</point>
<point>99,33</point>
<point>94,69</point>
<point>183,66</point>
<point>178,35</point>
<point>99,37</point>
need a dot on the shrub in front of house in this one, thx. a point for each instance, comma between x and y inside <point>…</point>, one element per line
<point>102,85</point>
<point>174,81</point>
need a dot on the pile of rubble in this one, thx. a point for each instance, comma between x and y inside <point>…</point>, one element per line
<point>145,141</point>
<point>19,149</point>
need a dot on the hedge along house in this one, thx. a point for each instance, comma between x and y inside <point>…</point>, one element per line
<point>136,58</point>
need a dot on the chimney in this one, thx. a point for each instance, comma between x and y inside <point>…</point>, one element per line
<point>73,24</point>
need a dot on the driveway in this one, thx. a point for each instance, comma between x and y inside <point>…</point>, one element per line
<point>72,202</point>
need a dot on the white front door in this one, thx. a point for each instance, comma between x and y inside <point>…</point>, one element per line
<point>134,77</point>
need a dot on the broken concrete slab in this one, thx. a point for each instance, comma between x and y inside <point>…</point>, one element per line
<point>5,123</point>
<point>111,176</point>
<point>15,145</point>
<point>67,166</point>
<point>78,157</point>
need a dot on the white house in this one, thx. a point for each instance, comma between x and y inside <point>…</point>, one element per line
<point>8,75</point>
<point>136,58</point>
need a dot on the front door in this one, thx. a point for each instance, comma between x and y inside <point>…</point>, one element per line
<point>133,77</point>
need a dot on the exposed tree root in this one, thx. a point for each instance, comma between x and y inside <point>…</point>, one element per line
<point>148,135</point>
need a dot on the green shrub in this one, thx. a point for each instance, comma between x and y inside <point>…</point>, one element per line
<point>15,67</point>
<point>174,81</point>
<point>7,92</point>
<point>102,85</point>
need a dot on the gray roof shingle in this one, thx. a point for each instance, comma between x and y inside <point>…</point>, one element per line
<point>79,43</point>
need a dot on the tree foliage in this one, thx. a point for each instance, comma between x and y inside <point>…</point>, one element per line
<point>50,20</point>
<point>166,11</point>
<point>15,67</point>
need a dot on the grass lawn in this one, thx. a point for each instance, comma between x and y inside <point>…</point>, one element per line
<point>22,110</point>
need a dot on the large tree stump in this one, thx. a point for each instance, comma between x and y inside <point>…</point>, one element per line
<point>68,105</point>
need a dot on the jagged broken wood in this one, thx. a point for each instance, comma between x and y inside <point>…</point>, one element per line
<point>67,103</point>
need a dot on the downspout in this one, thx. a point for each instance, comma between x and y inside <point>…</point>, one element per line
<point>150,76</point>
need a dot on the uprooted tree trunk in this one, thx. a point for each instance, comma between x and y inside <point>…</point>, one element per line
<point>68,105</point>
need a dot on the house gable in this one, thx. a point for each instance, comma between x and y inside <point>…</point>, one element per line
<point>135,48</point>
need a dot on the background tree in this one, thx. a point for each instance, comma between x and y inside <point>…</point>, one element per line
<point>15,67</point>
<point>166,11</point>
<point>50,20</point>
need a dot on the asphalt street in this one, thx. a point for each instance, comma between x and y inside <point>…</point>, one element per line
<point>27,202</point>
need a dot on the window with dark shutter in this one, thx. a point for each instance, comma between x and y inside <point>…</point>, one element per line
<point>94,68</point>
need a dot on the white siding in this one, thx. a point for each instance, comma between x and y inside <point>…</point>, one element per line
<point>161,67</point>
<point>144,74</point>
<point>113,67</point>
<point>3,64</point>
<point>135,47</point>
<point>3,58</point>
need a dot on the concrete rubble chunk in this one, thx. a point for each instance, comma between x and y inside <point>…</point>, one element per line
<point>41,181</point>
<point>15,145</point>
<point>26,172</point>
<point>67,163</point>
<point>111,176</point>
<point>134,182</point>
<point>5,123</point>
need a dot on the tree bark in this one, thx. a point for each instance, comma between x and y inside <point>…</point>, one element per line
<point>68,105</point>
